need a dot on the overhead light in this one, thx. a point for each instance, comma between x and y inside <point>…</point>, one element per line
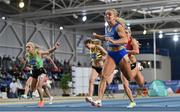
<point>21,4</point>
<point>3,17</point>
<point>84,18</point>
<point>144,32</point>
<point>61,28</point>
<point>175,38</point>
<point>160,35</point>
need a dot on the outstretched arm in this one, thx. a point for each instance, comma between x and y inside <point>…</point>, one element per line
<point>51,50</point>
<point>100,37</point>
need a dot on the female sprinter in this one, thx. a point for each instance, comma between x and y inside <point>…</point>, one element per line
<point>117,54</point>
<point>35,61</point>
<point>98,55</point>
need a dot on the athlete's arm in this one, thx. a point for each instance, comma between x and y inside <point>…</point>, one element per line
<point>102,49</point>
<point>135,46</point>
<point>49,51</point>
<point>25,64</point>
<point>122,34</point>
<point>100,37</point>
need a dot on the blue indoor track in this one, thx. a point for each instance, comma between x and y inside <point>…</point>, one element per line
<point>116,105</point>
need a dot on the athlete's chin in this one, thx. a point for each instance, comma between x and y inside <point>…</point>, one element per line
<point>110,21</point>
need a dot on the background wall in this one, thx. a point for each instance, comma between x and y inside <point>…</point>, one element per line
<point>15,34</point>
<point>163,73</point>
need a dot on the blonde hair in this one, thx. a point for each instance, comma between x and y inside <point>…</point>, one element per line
<point>121,20</point>
<point>92,41</point>
<point>35,46</point>
<point>114,11</point>
<point>96,42</point>
<point>31,44</point>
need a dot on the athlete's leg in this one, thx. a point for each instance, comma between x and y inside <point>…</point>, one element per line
<point>126,88</point>
<point>34,84</point>
<point>110,78</point>
<point>92,79</point>
<point>109,67</point>
<point>126,68</point>
<point>128,76</point>
<point>39,89</point>
<point>128,91</point>
<point>46,90</point>
<point>27,87</point>
<point>139,78</point>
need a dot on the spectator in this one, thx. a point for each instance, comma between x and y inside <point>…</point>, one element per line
<point>13,89</point>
